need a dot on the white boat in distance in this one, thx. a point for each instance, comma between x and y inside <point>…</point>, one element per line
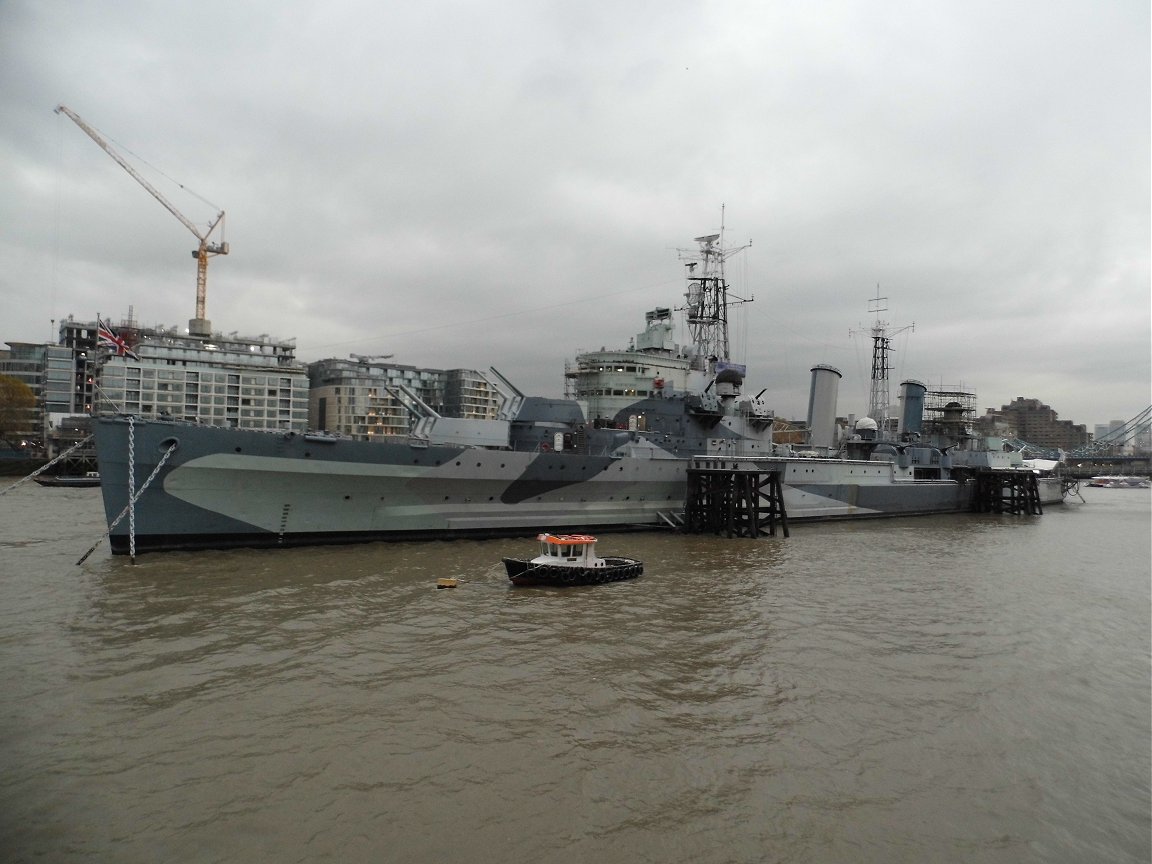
<point>1119,481</point>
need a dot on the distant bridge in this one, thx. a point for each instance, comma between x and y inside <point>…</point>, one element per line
<point>1097,453</point>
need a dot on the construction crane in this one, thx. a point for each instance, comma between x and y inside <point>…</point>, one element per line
<point>198,326</point>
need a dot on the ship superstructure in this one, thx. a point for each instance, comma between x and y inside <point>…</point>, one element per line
<point>608,381</point>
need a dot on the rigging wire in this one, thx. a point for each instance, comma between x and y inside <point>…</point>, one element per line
<point>170,179</point>
<point>472,322</point>
<point>56,220</point>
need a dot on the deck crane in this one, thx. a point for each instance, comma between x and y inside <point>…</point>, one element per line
<point>198,326</point>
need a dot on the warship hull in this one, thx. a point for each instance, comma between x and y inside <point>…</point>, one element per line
<point>222,488</point>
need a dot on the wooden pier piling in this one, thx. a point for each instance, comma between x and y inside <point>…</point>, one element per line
<point>735,497</point>
<point>1013,492</point>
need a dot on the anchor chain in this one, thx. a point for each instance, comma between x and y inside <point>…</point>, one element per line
<point>47,465</point>
<point>132,489</point>
<point>130,507</point>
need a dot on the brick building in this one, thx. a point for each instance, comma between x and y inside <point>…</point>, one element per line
<point>1032,421</point>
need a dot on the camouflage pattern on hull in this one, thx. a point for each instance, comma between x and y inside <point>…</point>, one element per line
<point>224,488</point>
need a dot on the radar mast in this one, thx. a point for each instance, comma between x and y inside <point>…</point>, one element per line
<point>706,309</point>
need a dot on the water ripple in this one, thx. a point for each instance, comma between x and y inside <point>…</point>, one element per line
<point>960,688</point>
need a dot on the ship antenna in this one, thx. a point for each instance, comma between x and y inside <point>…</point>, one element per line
<point>707,297</point>
<point>879,404</point>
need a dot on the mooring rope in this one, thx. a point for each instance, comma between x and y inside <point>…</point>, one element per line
<point>47,465</point>
<point>130,507</point>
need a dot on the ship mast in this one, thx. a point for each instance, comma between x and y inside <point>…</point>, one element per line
<point>879,403</point>
<point>707,297</point>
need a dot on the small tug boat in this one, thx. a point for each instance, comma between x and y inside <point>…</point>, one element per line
<point>570,559</point>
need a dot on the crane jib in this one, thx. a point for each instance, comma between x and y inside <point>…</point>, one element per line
<point>205,249</point>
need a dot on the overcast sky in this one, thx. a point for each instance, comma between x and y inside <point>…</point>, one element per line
<point>466,184</point>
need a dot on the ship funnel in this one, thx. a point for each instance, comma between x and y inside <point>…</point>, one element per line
<point>822,406</point>
<point>911,406</point>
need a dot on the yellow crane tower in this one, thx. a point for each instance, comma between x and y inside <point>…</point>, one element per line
<point>198,326</point>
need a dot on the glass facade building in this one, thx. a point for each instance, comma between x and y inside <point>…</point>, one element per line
<point>221,380</point>
<point>361,399</point>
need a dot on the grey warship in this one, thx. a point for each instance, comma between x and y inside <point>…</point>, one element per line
<point>542,465</point>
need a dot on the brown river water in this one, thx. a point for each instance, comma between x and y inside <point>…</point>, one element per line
<point>969,688</point>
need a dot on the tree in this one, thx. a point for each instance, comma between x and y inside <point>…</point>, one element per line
<point>16,404</point>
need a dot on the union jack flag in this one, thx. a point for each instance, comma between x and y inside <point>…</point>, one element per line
<point>106,337</point>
